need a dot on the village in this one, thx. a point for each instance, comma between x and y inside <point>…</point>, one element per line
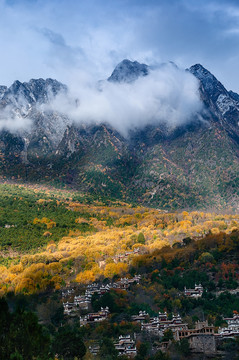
<point>83,302</point>
<point>202,338</point>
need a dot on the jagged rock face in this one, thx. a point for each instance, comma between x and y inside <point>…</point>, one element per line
<point>210,84</point>
<point>213,93</point>
<point>128,71</point>
<point>222,105</point>
<point>25,94</point>
<point>24,100</point>
<point>84,137</point>
<point>194,165</point>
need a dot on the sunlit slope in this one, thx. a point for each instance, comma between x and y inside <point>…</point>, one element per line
<point>49,238</point>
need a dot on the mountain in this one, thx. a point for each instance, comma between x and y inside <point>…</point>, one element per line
<point>128,71</point>
<point>194,165</point>
<point>23,101</point>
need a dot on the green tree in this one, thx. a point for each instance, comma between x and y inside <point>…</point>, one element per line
<point>5,320</point>
<point>68,343</point>
<point>168,335</point>
<point>28,337</point>
<point>184,347</point>
<point>16,356</point>
<point>21,337</point>
<point>142,351</point>
<point>141,238</point>
<point>107,350</point>
<point>206,257</point>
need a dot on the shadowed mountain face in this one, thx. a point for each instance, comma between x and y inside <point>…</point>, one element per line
<point>195,165</point>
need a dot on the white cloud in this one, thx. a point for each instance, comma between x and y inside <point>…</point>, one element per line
<point>167,95</point>
<point>13,121</point>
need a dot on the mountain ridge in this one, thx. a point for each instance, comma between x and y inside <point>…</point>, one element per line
<point>189,166</point>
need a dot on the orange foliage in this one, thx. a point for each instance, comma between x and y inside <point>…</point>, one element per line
<point>85,277</point>
<point>115,269</point>
<point>113,247</point>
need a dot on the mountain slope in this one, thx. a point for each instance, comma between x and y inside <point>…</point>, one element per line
<point>193,165</point>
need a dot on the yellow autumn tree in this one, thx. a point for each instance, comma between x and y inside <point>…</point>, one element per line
<point>115,269</point>
<point>85,277</point>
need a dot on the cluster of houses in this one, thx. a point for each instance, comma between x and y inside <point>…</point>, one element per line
<point>92,318</point>
<point>201,338</point>
<point>123,284</point>
<point>80,303</point>
<point>83,302</point>
<point>232,328</point>
<point>67,292</point>
<point>125,345</point>
<point>157,325</point>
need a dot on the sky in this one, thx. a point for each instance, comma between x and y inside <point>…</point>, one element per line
<point>67,39</point>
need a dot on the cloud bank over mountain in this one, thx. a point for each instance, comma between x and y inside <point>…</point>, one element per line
<point>13,121</point>
<point>166,95</point>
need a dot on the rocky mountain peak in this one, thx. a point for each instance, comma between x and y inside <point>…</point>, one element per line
<point>128,71</point>
<point>208,81</point>
<point>22,100</point>
<point>217,99</point>
<point>34,91</point>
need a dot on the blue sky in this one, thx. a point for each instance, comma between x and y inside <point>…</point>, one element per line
<point>65,38</point>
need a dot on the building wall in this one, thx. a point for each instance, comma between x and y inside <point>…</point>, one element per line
<point>202,343</point>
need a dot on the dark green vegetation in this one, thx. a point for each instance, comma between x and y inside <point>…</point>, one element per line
<point>22,338</point>
<point>212,261</point>
<point>27,221</point>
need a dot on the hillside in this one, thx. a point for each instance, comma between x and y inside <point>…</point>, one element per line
<point>50,238</point>
<point>158,254</point>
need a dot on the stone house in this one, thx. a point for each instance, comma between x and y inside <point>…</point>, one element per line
<point>126,346</point>
<point>194,293</point>
<point>232,328</point>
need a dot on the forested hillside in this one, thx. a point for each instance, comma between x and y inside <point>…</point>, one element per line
<point>49,238</point>
<point>169,251</point>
